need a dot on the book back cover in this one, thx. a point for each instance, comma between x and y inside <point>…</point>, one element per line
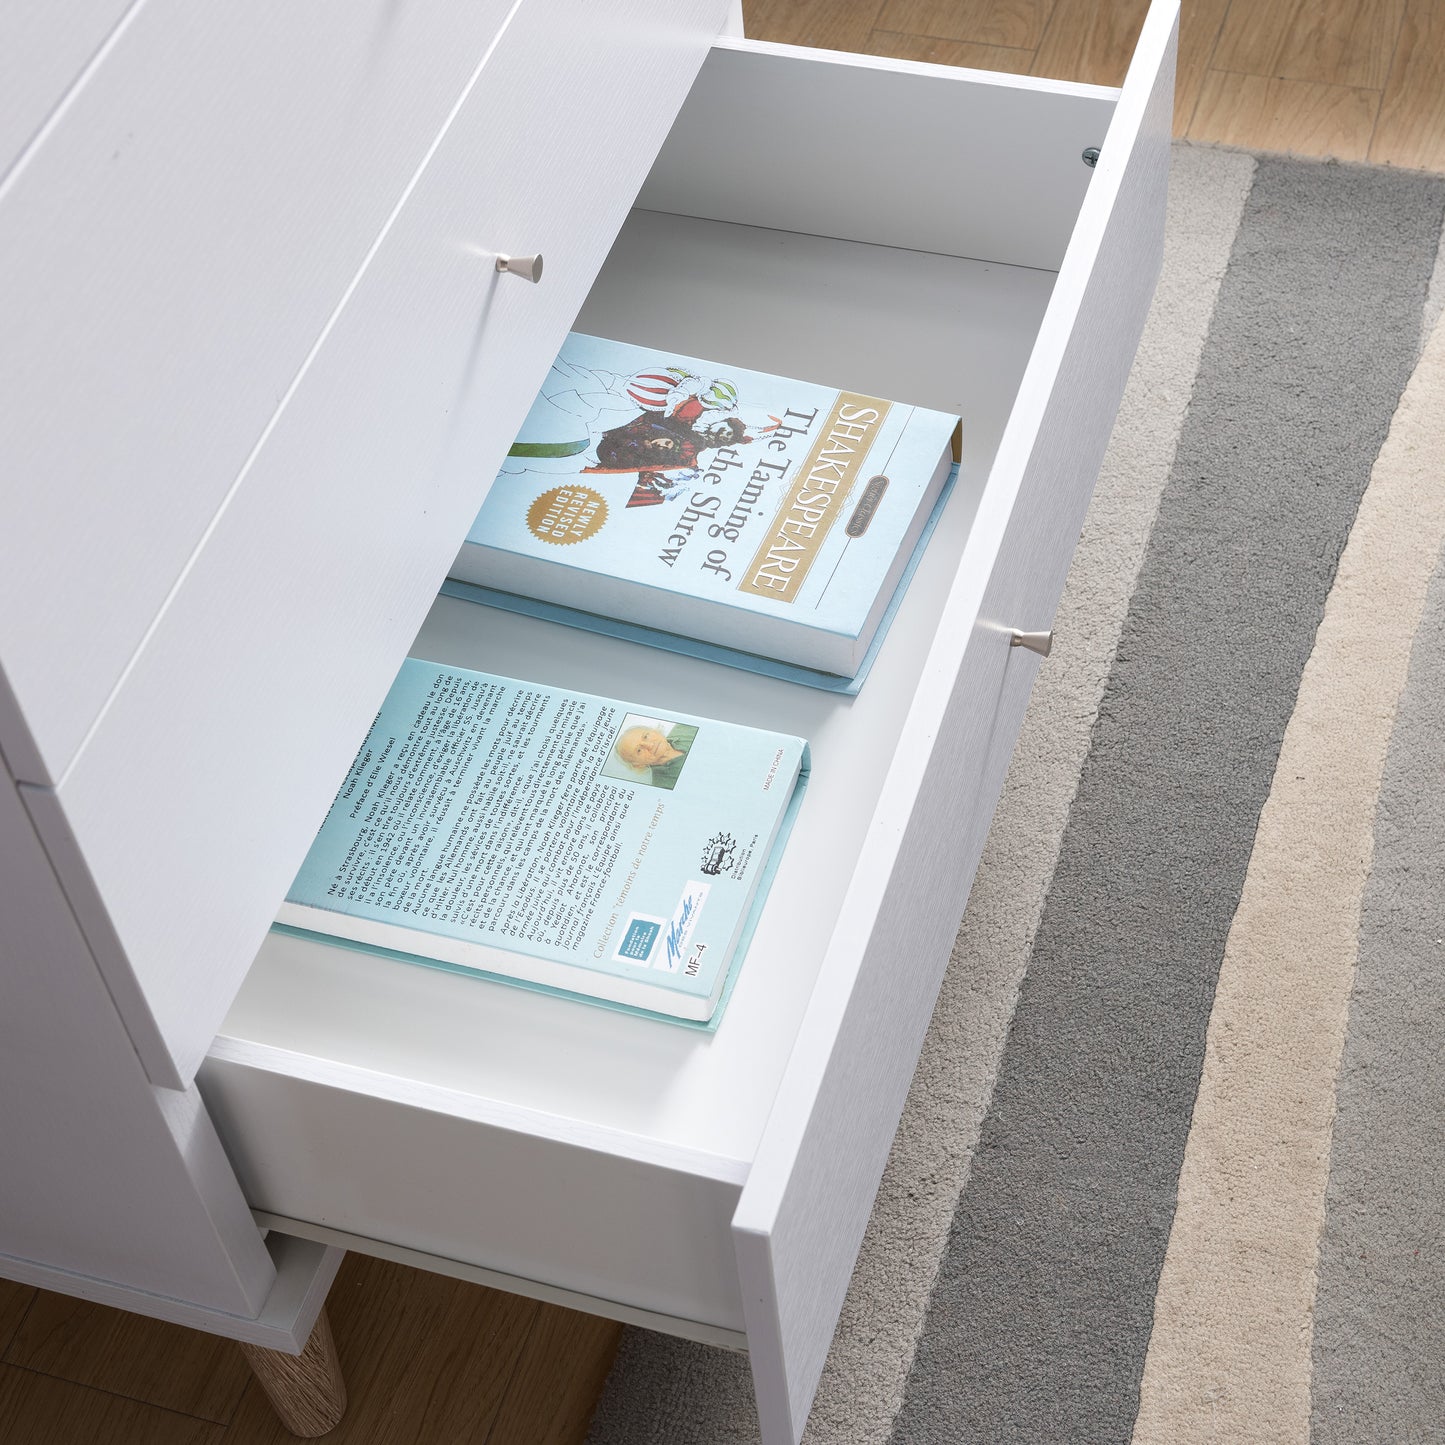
<point>553,837</point>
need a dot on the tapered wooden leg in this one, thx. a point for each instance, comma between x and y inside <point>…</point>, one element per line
<point>306,1390</point>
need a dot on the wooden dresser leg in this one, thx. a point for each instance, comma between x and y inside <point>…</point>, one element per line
<point>306,1390</point>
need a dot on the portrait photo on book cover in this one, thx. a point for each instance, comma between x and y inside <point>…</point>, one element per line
<point>649,750</point>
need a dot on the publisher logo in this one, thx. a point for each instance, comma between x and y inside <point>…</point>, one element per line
<point>867,506</point>
<point>718,856</point>
<point>679,930</point>
<point>640,939</point>
<point>564,515</point>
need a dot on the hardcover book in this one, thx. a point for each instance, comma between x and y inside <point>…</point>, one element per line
<point>758,513</point>
<point>552,838</point>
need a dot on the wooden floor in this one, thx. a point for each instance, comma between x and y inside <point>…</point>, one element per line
<point>430,1361</point>
<point>1358,80</point>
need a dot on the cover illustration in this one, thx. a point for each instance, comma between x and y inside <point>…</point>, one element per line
<point>643,482</point>
<point>562,839</point>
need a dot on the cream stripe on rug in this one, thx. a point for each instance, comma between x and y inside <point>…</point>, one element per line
<point>1229,1357</point>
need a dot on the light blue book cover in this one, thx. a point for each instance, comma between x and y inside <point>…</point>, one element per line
<point>751,511</point>
<point>550,837</point>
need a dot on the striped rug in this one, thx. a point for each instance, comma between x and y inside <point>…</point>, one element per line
<point>1173,1164</point>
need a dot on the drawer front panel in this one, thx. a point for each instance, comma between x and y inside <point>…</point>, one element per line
<point>385,1163</point>
<point>806,1204</point>
<point>169,252</point>
<point>43,48</point>
<point>184,818</point>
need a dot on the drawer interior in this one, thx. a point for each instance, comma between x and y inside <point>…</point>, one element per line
<point>762,279</point>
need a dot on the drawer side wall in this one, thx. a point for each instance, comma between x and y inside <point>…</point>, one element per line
<point>884,151</point>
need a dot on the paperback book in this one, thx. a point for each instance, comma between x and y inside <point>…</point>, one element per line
<point>753,512</point>
<point>554,839</point>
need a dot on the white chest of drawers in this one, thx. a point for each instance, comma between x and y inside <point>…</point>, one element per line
<point>181,696</point>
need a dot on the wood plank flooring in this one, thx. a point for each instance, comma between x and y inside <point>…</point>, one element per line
<point>434,1360</point>
<point>427,1359</point>
<point>1358,80</point>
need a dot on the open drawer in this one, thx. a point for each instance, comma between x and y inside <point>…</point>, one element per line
<point>918,232</point>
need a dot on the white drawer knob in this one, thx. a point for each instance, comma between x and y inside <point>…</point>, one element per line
<point>1040,642</point>
<point>529,267</point>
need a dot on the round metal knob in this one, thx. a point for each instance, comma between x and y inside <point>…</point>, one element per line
<point>529,267</point>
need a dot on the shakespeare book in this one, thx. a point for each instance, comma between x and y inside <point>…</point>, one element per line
<point>753,512</point>
<point>568,842</point>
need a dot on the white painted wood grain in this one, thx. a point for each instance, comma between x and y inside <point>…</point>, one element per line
<point>392,1164</point>
<point>103,1175</point>
<point>923,157</point>
<point>44,49</point>
<point>806,1204</point>
<point>182,822</point>
<point>169,251</point>
<point>234,1066</point>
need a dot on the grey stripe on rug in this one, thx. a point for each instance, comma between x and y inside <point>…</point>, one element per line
<point>1380,1305</point>
<point>1041,1315</point>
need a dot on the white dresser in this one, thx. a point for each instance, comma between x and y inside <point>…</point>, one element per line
<point>258,366</point>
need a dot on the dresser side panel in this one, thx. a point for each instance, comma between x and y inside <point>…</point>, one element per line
<point>104,1175</point>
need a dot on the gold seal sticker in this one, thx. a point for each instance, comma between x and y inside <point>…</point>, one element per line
<point>565,515</point>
